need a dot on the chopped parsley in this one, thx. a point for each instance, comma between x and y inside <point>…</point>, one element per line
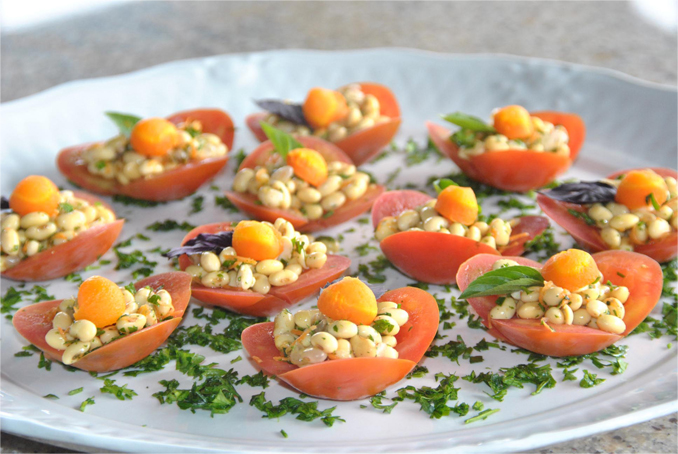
<point>216,394</point>
<point>126,200</point>
<point>590,380</point>
<point>121,392</point>
<point>305,411</point>
<point>73,392</point>
<point>170,224</point>
<point>543,245</point>
<point>583,216</point>
<point>196,204</point>
<point>86,402</point>
<point>223,202</point>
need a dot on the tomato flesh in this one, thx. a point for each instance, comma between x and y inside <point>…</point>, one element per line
<point>74,255</point>
<point>642,275</point>
<point>173,184</point>
<point>515,170</point>
<point>589,236</point>
<point>278,298</point>
<point>363,145</point>
<point>34,321</point>
<point>354,378</point>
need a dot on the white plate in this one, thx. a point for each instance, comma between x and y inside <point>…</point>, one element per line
<point>629,123</point>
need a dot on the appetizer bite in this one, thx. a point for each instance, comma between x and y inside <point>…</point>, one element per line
<point>107,327</point>
<point>153,159</point>
<point>575,304</point>
<point>518,152</point>
<point>633,210</point>
<point>47,233</point>
<point>256,268</point>
<point>353,346</point>
<point>427,239</point>
<point>309,182</point>
<point>359,118</point>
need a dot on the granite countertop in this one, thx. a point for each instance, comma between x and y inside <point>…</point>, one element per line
<point>135,35</point>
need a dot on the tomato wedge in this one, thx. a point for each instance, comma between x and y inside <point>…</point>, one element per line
<point>434,257</point>
<point>34,321</point>
<point>256,304</point>
<point>354,378</point>
<point>73,255</point>
<point>249,204</point>
<point>589,236</point>
<point>363,145</point>
<point>173,184</point>
<point>515,170</point>
<point>642,275</point>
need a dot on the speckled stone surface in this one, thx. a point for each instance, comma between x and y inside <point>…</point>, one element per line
<point>134,36</point>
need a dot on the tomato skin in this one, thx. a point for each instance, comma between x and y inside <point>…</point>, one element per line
<point>354,378</point>
<point>74,255</point>
<point>34,321</point>
<point>642,275</point>
<point>262,154</point>
<point>515,170</point>
<point>363,145</point>
<point>589,236</point>
<point>278,298</point>
<point>170,185</point>
<point>420,254</point>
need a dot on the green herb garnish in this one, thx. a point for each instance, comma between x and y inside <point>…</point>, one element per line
<point>282,142</point>
<point>124,122</point>
<point>503,281</point>
<point>468,122</point>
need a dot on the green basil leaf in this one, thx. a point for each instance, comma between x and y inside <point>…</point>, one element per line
<point>468,122</point>
<point>442,183</point>
<point>503,281</point>
<point>124,122</point>
<point>282,142</point>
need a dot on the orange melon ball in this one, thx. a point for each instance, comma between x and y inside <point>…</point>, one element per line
<point>154,137</point>
<point>349,299</point>
<point>571,269</point>
<point>309,165</point>
<point>256,240</point>
<point>635,188</point>
<point>100,301</point>
<point>35,193</point>
<point>323,106</point>
<point>514,122</point>
<point>458,204</point>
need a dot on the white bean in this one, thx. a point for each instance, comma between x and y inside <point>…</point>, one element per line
<point>387,226</point>
<point>611,324</point>
<point>246,277</point>
<point>71,221</point>
<point>611,236</point>
<point>503,263</point>
<point>530,311</point>
<point>128,324</point>
<point>209,261</point>
<point>615,307</point>
<point>581,317</point>
<point>386,351</point>
<point>596,308</point>
<point>325,341</point>
<point>391,341</point>
<point>242,180</point>
<point>83,330</point>
<point>555,316</point>
<point>408,219</point>
<point>74,352</point>
<point>553,296</point>
<point>283,277</point>
<point>504,311</point>
<point>390,325</point>
<point>658,228</point>
<point>148,312</point>
<point>313,211</point>
<point>55,340</point>
<point>598,212</point>
<point>45,231</point>
<point>623,222</point>
<point>369,332</point>
<point>10,241</point>
<point>333,201</point>
<point>343,329</point>
<point>62,320</point>
<point>363,347</point>
<point>10,221</point>
<point>331,185</point>
<point>35,219</point>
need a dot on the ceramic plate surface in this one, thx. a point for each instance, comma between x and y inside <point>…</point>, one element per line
<point>630,123</point>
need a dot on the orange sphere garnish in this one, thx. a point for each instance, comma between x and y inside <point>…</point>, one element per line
<point>635,188</point>
<point>349,299</point>
<point>100,301</point>
<point>571,269</point>
<point>154,137</point>
<point>514,122</point>
<point>323,106</point>
<point>256,240</point>
<point>458,204</point>
<point>35,193</point>
<point>309,165</point>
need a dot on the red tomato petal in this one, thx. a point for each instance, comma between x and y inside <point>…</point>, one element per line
<point>431,257</point>
<point>260,156</point>
<point>34,321</point>
<point>71,256</point>
<point>354,378</point>
<point>642,276</point>
<point>572,123</point>
<point>170,185</point>
<point>416,335</point>
<point>214,121</point>
<point>392,203</point>
<point>253,122</point>
<point>513,170</point>
<point>279,298</point>
<point>528,228</point>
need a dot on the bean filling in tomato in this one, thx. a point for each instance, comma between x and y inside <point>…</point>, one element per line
<point>262,255</point>
<point>334,115</point>
<point>645,209</point>
<point>102,313</point>
<point>573,294</point>
<point>40,216</point>
<point>155,146</point>
<point>305,183</point>
<point>349,323</point>
<point>512,128</point>
<point>454,212</point>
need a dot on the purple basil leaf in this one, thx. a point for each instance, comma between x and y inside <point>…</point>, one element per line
<point>204,242</point>
<point>4,203</point>
<point>583,192</point>
<point>288,111</point>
